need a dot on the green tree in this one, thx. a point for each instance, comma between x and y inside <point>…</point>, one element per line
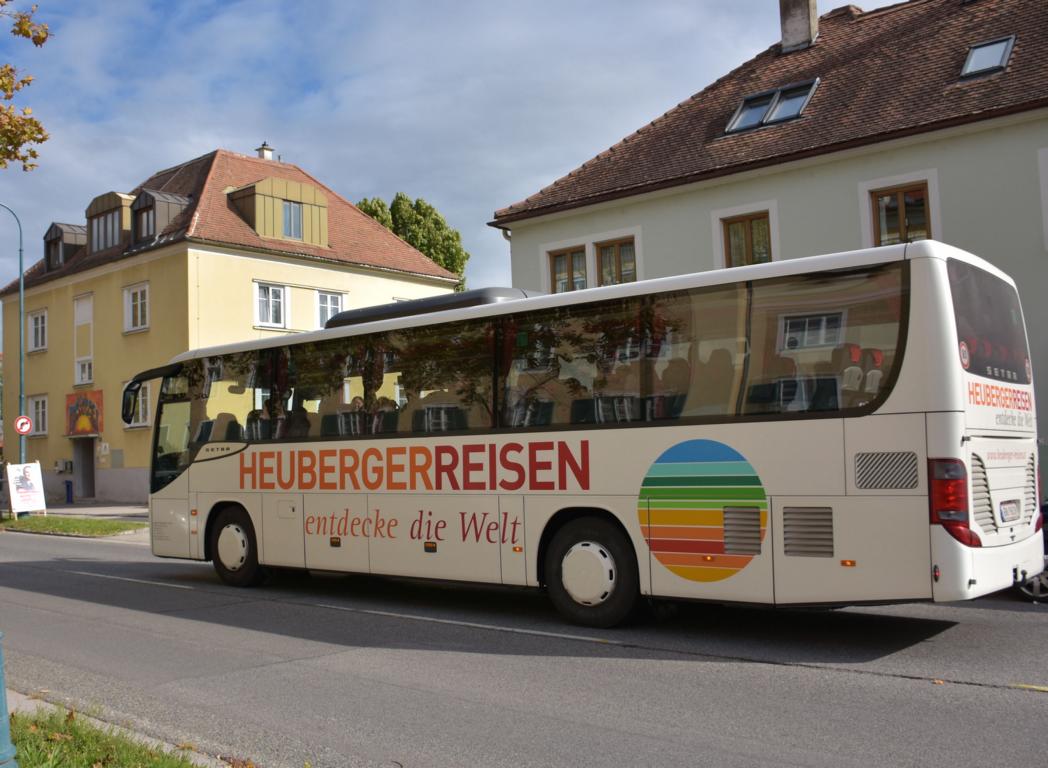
<point>18,127</point>
<point>420,225</point>
<point>376,208</point>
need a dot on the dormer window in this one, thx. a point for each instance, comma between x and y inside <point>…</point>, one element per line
<point>292,220</point>
<point>774,106</point>
<point>61,241</point>
<point>145,223</point>
<point>105,230</point>
<point>283,209</point>
<point>54,254</point>
<point>152,212</point>
<point>985,58</point>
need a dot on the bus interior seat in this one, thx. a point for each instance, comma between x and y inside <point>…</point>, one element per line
<point>583,411</point>
<point>221,427</point>
<point>717,382</point>
<point>676,378</point>
<point>873,360</point>
<point>204,431</point>
<point>846,360</point>
<point>385,422</point>
<point>258,428</point>
<point>439,418</point>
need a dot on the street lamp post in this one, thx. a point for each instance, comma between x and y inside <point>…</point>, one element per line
<point>21,335</point>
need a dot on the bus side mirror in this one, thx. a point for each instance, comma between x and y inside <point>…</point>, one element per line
<point>129,401</point>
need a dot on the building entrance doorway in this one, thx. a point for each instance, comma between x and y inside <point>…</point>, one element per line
<point>84,468</point>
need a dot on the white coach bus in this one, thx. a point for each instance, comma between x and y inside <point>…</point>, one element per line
<point>847,429</point>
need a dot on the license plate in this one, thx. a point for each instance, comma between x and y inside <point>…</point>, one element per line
<point>1010,510</point>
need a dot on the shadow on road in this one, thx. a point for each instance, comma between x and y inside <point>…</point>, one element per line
<point>373,611</point>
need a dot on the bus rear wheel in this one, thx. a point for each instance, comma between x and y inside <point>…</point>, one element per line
<point>591,573</point>
<point>234,549</point>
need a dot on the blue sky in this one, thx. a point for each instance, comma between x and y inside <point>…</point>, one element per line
<point>471,105</point>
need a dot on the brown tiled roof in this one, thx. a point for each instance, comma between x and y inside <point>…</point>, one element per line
<point>884,74</point>
<point>353,237</point>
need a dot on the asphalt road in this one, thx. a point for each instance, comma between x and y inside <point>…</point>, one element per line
<point>349,670</point>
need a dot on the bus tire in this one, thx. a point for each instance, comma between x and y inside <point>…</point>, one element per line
<point>234,549</point>
<point>591,573</point>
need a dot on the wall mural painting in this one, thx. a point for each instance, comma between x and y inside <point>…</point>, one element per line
<point>84,413</point>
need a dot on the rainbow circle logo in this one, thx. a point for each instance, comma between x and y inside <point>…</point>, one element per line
<point>682,506</point>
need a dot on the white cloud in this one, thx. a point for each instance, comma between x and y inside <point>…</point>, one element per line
<point>472,105</point>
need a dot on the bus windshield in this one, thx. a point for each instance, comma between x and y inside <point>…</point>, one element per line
<point>171,453</point>
<point>990,332</point>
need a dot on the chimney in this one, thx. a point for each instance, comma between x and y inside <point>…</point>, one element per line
<point>265,151</point>
<point>800,24</point>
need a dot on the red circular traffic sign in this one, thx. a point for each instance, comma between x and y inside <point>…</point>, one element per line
<point>23,425</point>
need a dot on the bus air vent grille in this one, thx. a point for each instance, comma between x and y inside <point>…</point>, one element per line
<point>982,504</point>
<point>742,531</point>
<point>886,470</point>
<point>1030,492</point>
<point>808,531</point>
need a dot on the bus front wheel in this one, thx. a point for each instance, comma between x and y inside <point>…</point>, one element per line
<point>591,573</point>
<point>234,549</point>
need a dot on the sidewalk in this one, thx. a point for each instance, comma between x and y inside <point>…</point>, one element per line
<point>25,705</point>
<point>110,511</point>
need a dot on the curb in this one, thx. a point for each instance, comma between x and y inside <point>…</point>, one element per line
<point>28,705</point>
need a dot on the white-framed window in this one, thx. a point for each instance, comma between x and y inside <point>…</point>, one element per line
<point>136,307</point>
<point>83,370</point>
<point>271,305</point>
<point>292,220</point>
<point>808,331</point>
<point>140,417</point>
<point>328,305</point>
<point>925,213</point>
<point>37,331</point>
<point>105,230</point>
<point>37,406</point>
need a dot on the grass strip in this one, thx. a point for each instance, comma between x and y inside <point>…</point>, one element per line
<point>61,740</point>
<point>75,526</point>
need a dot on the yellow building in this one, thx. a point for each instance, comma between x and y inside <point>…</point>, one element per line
<point>223,248</point>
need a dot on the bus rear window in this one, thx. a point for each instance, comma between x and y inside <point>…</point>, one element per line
<point>990,333</point>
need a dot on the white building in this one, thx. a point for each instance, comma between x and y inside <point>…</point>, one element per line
<point>923,119</point>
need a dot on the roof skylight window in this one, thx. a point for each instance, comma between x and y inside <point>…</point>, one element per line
<point>988,57</point>
<point>769,107</point>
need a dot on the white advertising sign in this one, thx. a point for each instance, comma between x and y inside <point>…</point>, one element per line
<point>26,487</point>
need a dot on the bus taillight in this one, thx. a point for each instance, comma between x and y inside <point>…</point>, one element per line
<point>948,499</point>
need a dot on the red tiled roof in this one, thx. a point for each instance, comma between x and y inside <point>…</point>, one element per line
<point>353,237</point>
<point>884,74</point>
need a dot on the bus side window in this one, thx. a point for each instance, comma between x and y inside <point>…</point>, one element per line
<point>822,343</point>
<point>697,372</point>
<point>446,373</point>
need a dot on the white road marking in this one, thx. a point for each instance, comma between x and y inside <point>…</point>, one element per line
<point>470,624</point>
<point>125,578</point>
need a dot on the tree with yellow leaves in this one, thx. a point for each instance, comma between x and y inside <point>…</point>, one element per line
<point>18,128</point>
